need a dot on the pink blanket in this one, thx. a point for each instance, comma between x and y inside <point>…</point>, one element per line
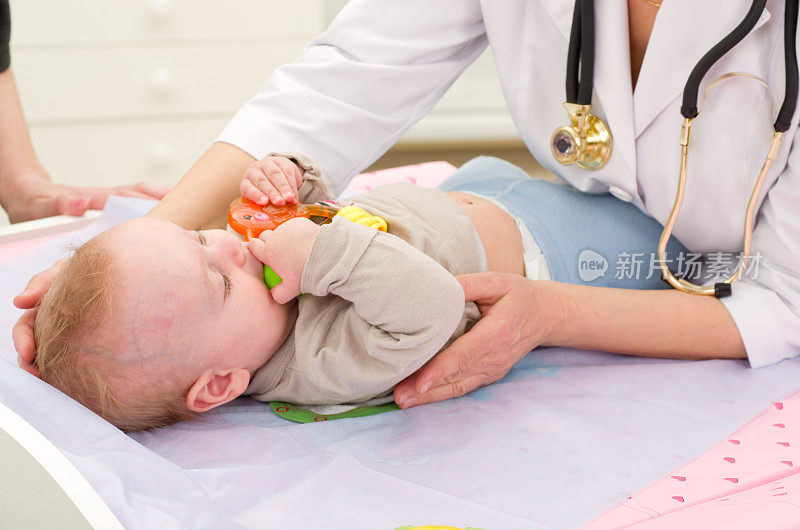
<point>749,480</point>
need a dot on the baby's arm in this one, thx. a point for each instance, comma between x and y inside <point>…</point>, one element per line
<point>381,308</point>
<point>404,306</point>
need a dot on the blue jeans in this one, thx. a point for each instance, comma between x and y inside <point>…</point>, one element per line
<point>585,238</point>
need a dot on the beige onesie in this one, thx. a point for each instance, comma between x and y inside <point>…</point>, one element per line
<point>378,305</point>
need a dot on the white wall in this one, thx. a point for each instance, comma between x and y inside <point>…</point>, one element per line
<point>117,91</point>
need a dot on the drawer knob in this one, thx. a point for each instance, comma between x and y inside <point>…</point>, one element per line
<point>160,10</point>
<point>162,82</point>
<point>161,154</point>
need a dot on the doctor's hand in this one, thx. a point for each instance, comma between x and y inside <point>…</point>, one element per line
<point>517,315</point>
<point>286,250</point>
<point>273,179</point>
<point>33,196</point>
<point>23,329</point>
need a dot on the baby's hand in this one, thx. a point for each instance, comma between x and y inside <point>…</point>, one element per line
<point>286,250</point>
<point>272,179</point>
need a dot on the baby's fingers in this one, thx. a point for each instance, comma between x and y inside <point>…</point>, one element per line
<point>248,190</point>
<point>294,178</point>
<point>257,187</point>
<point>276,175</point>
<point>259,250</point>
<point>285,291</point>
<point>270,179</point>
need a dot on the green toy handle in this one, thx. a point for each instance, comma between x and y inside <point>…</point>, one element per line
<point>270,278</point>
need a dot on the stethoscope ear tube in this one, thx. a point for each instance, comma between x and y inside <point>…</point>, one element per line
<point>692,88</point>
<point>580,56</point>
<point>784,120</point>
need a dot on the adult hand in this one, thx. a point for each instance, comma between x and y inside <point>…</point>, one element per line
<point>517,315</point>
<point>33,195</point>
<point>23,329</point>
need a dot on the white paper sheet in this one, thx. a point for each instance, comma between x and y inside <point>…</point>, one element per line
<point>563,437</point>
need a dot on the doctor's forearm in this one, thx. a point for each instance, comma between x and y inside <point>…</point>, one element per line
<point>667,323</point>
<point>202,196</point>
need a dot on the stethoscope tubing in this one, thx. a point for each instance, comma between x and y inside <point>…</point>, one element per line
<point>580,56</point>
<point>580,60</point>
<point>690,112</point>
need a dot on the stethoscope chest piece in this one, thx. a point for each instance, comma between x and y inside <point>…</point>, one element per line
<point>587,142</point>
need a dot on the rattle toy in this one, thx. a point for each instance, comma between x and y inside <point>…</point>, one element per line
<point>250,219</point>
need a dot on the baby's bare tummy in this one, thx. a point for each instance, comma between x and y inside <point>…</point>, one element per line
<point>498,232</point>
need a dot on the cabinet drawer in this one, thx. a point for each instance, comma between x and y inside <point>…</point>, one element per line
<point>110,155</point>
<point>185,80</point>
<point>81,22</point>
<point>145,82</point>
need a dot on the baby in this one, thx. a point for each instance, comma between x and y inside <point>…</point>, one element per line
<point>149,324</point>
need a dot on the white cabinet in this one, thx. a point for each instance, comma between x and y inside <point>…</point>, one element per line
<point>117,91</point>
<point>113,153</point>
<point>195,79</point>
<point>85,23</point>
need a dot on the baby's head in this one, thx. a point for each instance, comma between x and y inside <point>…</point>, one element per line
<point>148,324</point>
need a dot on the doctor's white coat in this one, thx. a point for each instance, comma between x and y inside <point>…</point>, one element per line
<point>383,64</point>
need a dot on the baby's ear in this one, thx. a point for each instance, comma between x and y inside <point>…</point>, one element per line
<point>215,388</point>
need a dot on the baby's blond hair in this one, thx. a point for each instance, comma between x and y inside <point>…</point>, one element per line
<point>75,349</point>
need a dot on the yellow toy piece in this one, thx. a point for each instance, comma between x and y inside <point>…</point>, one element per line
<point>363,217</point>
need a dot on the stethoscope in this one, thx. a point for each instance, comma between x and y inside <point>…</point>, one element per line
<point>587,141</point>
